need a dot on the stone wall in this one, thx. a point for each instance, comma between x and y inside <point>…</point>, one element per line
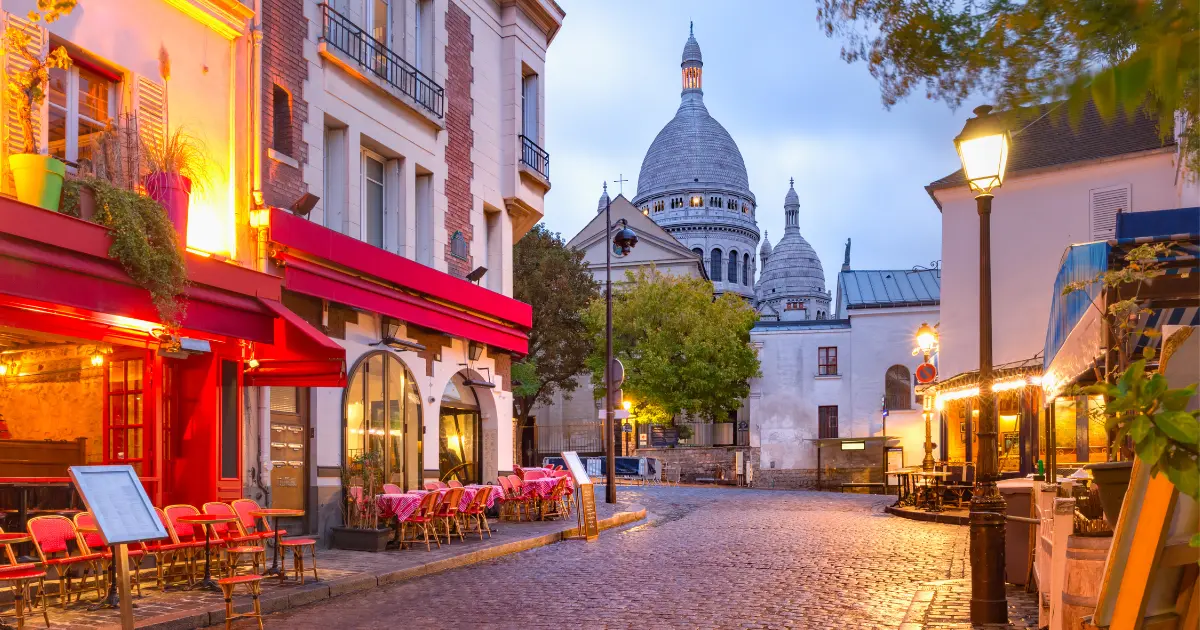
<point>714,462</point>
<point>55,394</point>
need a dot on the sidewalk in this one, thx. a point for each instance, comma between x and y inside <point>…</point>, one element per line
<point>946,605</point>
<point>341,572</point>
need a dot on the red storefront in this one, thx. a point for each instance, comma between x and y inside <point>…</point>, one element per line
<point>85,377</point>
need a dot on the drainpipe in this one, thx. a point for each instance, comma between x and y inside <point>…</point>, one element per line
<point>256,200</point>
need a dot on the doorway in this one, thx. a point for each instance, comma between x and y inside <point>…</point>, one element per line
<point>461,434</point>
<point>289,448</point>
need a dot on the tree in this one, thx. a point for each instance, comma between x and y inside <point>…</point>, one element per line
<point>683,350</point>
<point>556,282</point>
<point>1118,53</point>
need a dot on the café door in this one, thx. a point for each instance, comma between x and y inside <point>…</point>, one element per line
<point>289,447</point>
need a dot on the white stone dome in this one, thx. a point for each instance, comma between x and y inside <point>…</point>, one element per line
<point>792,269</point>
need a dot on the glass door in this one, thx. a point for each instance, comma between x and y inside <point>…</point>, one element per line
<point>127,421</point>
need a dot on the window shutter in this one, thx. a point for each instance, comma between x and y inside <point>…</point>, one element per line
<point>150,110</point>
<point>1105,204</point>
<point>14,136</point>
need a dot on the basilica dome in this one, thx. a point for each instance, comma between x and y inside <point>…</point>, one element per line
<point>792,284</point>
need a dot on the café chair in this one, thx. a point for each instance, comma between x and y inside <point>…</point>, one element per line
<point>519,471</point>
<point>474,512</point>
<point>521,497</point>
<point>297,547</point>
<point>250,527</point>
<point>556,504</point>
<point>432,485</point>
<point>167,552</point>
<point>20,578</point>
<point>454,483</point>
<point>532,474</point>
<point>391,488</point>
<point>92,542</point>
<point>237,543</point>
<point>53,535</point>
<point>192,534</point>
<point>423,519</point>
<point>447,512</point>
<point>254,585</point>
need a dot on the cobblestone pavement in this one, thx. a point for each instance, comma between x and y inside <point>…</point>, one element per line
<point>706,558</point>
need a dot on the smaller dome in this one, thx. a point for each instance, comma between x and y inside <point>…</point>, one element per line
<point>791,199</point>
<point>765,250</point>
<point>691,50</point>
<point>603,199</point>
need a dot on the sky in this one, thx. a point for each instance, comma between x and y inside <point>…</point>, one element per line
<point>778,85</point>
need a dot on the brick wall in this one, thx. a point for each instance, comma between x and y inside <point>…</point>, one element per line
<point>702,462</point>
<point>460,138</point>
<point>284,30</point>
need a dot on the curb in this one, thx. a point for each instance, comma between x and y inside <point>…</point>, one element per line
<point>928,517</point>
<point>189,619</point>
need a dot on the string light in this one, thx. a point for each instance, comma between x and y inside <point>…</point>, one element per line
<point>999,386</point>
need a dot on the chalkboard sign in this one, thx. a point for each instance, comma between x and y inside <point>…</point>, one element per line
<point>663,436</point>
<point>115,497</point>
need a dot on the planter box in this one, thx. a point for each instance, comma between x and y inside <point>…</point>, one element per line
<point>353,539</point>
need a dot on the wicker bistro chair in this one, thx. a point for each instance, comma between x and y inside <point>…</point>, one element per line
<point>92,542</point>
<point>422,518</point>
<point>391,488</point>
<point>447,512</point>
<point>433,486</point>
<point>557,504</point>
<point>520,497</point>
<point>192,534</point>
<point>505,492</point>
<point>475,512</point>
<point>534,474</point>
<point>20,578</point>
<point>238,543</point>
<point>454,483</point>
<point>297,546</point>
<point>249,525</point>
<point>53,534</point>
<point>169,551</point>
<point>254,585</point>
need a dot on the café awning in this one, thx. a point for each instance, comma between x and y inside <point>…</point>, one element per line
<point>301,355</point>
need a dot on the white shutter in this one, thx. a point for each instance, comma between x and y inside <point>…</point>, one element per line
<point>150,110</point>
<point>14,135</point>
<point>1104,205</point>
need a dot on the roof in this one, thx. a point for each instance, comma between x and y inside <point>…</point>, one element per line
<point>886,288</point>
<point>802,324</point>
<point>1052,140</point>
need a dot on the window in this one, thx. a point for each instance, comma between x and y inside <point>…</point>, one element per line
<point>698,252</point>
<point>731,204</point>
<point>82,102</point>
<point>373,195</point>
<point>424,219</point>
<point>423,34</point>
<point>529,107</point>
<point>335,159</point>
<point>731,274</point>
<point>383,416</point>
<point>898,388</point>
<point>281,121</point>
<point>827,421</point>
<point>381,21</point>
<point>230,420</point>
<point>697,201</point>
<point>793,305</point>
<point>745,208</point>
<point>827,361</point>
<point>659,205</point>
<point>746,269</point>
<point>714,270</point>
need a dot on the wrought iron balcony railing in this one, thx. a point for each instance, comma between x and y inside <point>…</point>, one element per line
<point>535,157</point>
<point>340,33</point>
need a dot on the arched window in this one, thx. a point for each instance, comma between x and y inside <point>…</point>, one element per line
<point>898,388</point>
<point>746,269</point>
<point>698,252</point>
<point>733,259</point>
<point>383,418</point>
<point>460,433</point>
<point>714,267</point>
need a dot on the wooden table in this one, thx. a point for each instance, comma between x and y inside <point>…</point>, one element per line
<point>276,513</point>
<point>207,522</point>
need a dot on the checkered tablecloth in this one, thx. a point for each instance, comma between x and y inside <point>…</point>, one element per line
<point>471,490</point>
<point>401,506</point>
<point>542,488</point>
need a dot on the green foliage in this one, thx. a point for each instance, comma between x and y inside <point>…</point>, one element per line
<point>556,282</point>
<point>144,242</point>
<point>683,350</point>
<point>26,89</point>
<point>1122,55</point>
<point>360,509</point>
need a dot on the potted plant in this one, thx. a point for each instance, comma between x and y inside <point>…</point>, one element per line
<point>178,166</point>
<point>362,481</point>
<point>38,177</point>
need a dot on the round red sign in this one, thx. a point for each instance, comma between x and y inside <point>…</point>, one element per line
<point>926,372</point>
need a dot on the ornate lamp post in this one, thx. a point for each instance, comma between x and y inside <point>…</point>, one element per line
<point>983,147</point>
<point>926,340</point>
<point>623,242</point>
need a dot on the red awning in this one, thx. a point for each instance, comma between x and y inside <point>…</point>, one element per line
<point>301,356</point>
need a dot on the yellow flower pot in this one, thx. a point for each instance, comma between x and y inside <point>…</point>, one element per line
<point>39,179</point>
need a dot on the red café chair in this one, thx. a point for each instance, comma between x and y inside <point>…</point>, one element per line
<point>506,491</point>
<point>92,542</point>
<point>188,533</point>
<point>52,534</point>
<point>432,486</point>
<point>535,473</point>
<point>474,513</point>
<point>391,488</point>
<point>20,578</point>
<point>519,497</point>
<point>519,471</point>
<point>555,505</point>
<point>238,543</point>
<point>166,553</point>
<point>243,509</point>
<point>454,483</point>
<point>447,512</point>
<point>424,519</point>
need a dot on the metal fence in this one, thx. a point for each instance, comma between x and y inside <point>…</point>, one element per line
<point>703,434</point>
<point>536,442</point>
<point>348,38</point>
<point>535,157</point>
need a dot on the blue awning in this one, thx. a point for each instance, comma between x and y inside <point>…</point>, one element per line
<point>1080,263</point>
<point>1158,224</point>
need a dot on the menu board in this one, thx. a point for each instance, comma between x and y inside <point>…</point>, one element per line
<point>578,470</point>
<point>115,497</point>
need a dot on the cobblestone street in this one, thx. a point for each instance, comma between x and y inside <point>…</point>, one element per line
<point>705,557</point>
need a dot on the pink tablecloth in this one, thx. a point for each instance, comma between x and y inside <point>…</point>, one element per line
<point>401,506</point>
<point>544,487</point>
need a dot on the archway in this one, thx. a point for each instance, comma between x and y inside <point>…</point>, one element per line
<point>382,415</point>
<point>460,433</point>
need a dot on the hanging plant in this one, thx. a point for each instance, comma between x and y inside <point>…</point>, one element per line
<point>144,242</point>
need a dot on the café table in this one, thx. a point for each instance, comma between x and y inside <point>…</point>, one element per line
<point>207,522</point>
<point>276,513</point>
<point>112,599</point>
<point>904,480</point>
<point>933,484</point>
<point>14,538</point>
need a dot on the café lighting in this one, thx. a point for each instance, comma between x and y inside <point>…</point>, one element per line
<point>97,360</point>
<point>926,337</point>
<point>260,218</point>
<point>998,386</point>
<point>983,148</point>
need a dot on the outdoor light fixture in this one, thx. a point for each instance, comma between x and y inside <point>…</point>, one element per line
<point>304,204</point>
<point>97,360</point>
<point>926,337</point>
<point>475,275</point>
<point>624,240</point>
<point>260,218</point>
<point>391,337</point>
<point>474,351</point>
<point>983,148</point>
<point>251,363</point>
<point>627,405</point>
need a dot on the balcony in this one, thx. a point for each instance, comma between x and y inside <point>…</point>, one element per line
<point>535,158</point>
<point>352,42</point>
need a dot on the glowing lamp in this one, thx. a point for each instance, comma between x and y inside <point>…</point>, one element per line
<point>97,360</point>
<point>260,218</point>
<point>926,337</point>
<point>983,148</point>
<point>627,405</point>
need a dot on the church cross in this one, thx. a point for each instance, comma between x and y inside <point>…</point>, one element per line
<point>621,182</point>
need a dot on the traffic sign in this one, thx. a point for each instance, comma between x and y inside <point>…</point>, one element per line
<point>926,372</point>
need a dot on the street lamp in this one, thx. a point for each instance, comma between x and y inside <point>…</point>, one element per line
<point>927,338</point>
<point>983,148</point>
<point>623,242</point>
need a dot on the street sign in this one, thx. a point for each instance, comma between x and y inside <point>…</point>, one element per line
<point>628,428</point>
<point>618,373</point>
<point>926,372</point>
<point>619,414</point>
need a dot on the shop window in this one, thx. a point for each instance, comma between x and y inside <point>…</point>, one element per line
<point>827,421</point>
<point>897,386</point>
<point>230,420</point>
<point>827,361</point>
<point>82,103</point>
<point>383,418</point>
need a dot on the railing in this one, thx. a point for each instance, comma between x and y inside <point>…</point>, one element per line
<point>536,442</point>
<point>535,157</point>
<point>348,38</point>
<point>703,434</point>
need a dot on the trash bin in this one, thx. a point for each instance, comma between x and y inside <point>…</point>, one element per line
<point>1018,537</point>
